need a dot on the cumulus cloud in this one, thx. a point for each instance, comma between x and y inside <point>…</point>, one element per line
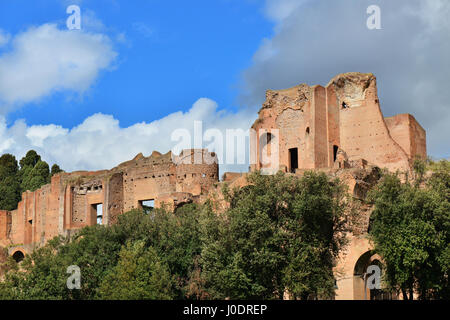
<point>279,10</point>
<point>99,142</point>
<point>46,59</point>
<point>315,40</point>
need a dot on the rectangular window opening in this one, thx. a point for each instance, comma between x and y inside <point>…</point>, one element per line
<point>147,205</point>
<point>98,208</point>
<point>293,159</point>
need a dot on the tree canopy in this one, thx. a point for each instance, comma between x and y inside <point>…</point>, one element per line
<point>279,235</point>
<point>411,231</point>
<point>32,174</point>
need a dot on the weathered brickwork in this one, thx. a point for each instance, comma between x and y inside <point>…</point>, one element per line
<point>71,201</point>
<point>316,123</point>
<point>338,129</point>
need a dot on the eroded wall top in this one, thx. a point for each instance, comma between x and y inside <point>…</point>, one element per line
<point>316,124</point>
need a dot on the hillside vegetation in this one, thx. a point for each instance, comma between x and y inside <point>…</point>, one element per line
<point>280,235</point>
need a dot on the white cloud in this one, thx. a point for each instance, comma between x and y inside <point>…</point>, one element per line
<point>100,143</point>
<point>38,134</point>
<point>46,59</point>
<point>316,39</point>
<point>278,10</point>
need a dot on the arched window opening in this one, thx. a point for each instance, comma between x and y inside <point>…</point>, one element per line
<point>265,149</point>
<point>361,290</point>
<point>335,151</point>
<point>18,256</point>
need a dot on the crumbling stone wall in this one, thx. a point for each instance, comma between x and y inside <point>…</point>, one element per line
<point>5,227</point>
<point>408,133</point>
<point>69,202</point>
<point>345,115</point>
<point>338,129</point>
<point>146,178</point>
<point>115,194</point>
<point>196,171</point>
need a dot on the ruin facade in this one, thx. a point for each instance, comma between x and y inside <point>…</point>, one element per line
<point>336,125</point>
<point>79,199</point>
<point>338,129</point>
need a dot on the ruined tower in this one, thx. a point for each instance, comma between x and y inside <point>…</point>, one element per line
<point>337,125</point>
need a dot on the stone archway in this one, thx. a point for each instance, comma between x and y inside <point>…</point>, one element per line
<point>361,289</point>
<point>18,256</point>
<point>264,146</point>
<point>268,152</point>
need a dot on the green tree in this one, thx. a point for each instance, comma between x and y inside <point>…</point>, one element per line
<point>55,169</point>
<point>139,274</point>
<point>9,185</point>
<point>174,236</point>
<point>169,240</point>
<point>319,215</point>
<point>8,166</point>
<point>30,159</point>
<point>42,275</point>
<point>411,231</point>
<point>9,193</point>
<point>280,234</point>
<point>7,263</point>
<point>35,177</point>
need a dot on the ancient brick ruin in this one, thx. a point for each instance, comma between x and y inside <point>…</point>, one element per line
<point>78,199</point>
<point>336,125</point>
<point>338,129</point>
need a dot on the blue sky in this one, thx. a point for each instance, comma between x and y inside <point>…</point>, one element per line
<point>173,53</point>
<point>139,70</point>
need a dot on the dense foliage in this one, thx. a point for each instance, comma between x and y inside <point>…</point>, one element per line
<point>279,235</point>
<point>411,231</point>
<point>32,174</point>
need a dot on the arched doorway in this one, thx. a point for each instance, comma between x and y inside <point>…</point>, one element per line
<point>18,256</point>
<point>335,152</point>
<point>268,151</point>
<point>361,290</point>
